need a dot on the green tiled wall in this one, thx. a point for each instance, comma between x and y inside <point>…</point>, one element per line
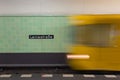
<point>14,32</point>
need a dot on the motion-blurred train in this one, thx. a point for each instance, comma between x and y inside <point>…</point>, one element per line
<point>97,42</point>
<point>87,42</point>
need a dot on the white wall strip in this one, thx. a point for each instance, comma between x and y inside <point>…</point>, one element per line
<point>26,75</point>
<point>68,75</point>
<point>89,76</point>
<point>5,75</point>
<point>47,75</point>
<point>110,76</point>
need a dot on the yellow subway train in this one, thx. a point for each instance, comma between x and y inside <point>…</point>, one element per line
<point>97,42</point>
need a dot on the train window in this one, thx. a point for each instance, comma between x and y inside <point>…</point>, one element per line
<point>94,35</point>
